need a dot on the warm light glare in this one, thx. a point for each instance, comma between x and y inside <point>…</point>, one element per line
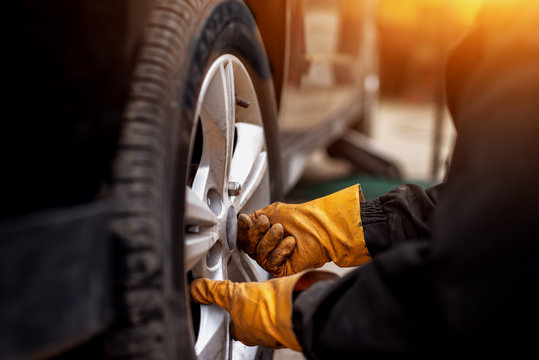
<point>466,10</point>
<point>408,12</point>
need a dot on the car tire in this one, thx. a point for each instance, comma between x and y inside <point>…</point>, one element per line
<point>162,149</point>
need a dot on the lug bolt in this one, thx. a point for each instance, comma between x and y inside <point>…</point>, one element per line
<point>234,188</point>
<point>242,103</point>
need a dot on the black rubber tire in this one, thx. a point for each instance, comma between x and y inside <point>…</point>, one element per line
<point>181,40</point>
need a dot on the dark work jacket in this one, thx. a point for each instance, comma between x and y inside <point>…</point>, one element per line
<point>455,268</point>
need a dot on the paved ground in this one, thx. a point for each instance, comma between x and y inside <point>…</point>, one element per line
<point>405,131</point>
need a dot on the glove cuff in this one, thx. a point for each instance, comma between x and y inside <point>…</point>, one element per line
<point>346,245</point>
<point>284,292</point>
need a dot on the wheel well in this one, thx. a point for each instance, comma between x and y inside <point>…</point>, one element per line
<point>271,20</point>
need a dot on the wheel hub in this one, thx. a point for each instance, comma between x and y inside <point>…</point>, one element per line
<point>231,227</point>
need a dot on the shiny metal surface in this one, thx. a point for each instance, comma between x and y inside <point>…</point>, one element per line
<point>232,177</point>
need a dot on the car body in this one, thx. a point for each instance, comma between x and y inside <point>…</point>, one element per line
<point>325,60</point>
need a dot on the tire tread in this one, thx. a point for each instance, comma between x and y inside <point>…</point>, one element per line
<point>138,332</point>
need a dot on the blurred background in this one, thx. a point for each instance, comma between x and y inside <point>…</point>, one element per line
<point>411,124</point>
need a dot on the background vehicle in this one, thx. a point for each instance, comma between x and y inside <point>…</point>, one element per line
<point>205,108</point>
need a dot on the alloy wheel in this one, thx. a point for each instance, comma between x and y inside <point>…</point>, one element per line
<point>229,175</point>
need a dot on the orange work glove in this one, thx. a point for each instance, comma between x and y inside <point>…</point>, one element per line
<point>288,238</point>
<point>260,312</point>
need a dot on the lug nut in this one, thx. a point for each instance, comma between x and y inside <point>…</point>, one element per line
<point>234,188</point>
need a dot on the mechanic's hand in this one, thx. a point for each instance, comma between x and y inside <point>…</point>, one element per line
<point>260,312</point>
<point>288,238</point>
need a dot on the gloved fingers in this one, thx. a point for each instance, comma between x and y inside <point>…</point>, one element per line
<point>260,226</point>
<point>269,242</point>
<point>272,212</point>
<point>206,291</point>
<point>275,262</point>
<point>244,225</point>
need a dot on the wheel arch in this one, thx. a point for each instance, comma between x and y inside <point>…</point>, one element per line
<point>270,17</point>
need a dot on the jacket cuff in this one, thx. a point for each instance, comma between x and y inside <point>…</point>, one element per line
<point>305,304</point>
<point>375,227</point>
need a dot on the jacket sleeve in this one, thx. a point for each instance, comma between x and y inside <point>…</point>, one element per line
<point>401,215</point>
<point>471,288</point>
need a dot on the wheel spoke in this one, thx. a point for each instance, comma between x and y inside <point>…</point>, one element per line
<point>250,143</point>
<point>216,112</point>
<point>236,271</point>
<point>214,321</point>
<point>241,351</point>
<point>197,212</point>
<point>231,114</point>
<point>249,269</point>
<point>251,184</point>
<point>198,239</point>
<point>201,179</point>
<point>249,162</point>
<point>197,246</point>
<point>214,97</point>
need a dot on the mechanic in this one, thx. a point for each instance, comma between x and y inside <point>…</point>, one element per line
<point>446,271</point>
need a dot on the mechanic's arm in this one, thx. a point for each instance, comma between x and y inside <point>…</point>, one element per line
<point>401,215</point>
<point>288,238</point>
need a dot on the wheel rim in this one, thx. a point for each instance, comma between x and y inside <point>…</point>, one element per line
<point>229,175</point>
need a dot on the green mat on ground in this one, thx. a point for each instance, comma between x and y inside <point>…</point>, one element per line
<point>373,187</point>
